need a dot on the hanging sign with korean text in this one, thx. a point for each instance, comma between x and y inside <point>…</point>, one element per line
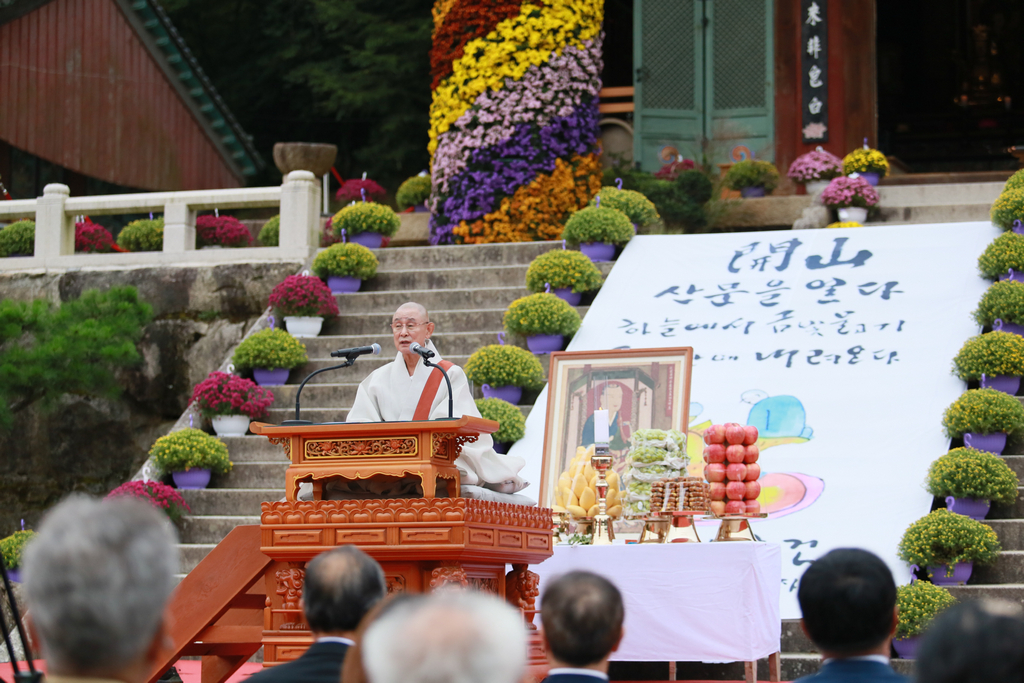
<point>814,70</point>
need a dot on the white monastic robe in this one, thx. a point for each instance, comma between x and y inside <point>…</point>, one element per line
<point>390,393</point>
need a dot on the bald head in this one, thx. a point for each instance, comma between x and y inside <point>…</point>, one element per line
<point>413,310</point>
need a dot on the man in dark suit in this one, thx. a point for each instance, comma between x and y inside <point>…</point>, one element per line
<point>582,615</point>
<point>848,601</point>
<point>340,587</point>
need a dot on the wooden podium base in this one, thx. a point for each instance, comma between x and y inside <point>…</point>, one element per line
<point>422,544</point>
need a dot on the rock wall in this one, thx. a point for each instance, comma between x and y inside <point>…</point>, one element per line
<point>92,445</point>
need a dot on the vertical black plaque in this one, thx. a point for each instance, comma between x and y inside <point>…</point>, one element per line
<point>814,70</point>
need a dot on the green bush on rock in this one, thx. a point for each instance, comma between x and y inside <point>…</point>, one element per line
<point>142,235</point>
<point>270,233</point>
<point>18,239</point>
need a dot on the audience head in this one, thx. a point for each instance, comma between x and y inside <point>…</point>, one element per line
<point>341,586</point>
<point>980,641</point>
<point>848,601</point>
<point>97,579</point>
<point>448,637</point>
<point>582,615</point>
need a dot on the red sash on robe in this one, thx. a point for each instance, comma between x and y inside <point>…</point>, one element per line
<point>430,391</point>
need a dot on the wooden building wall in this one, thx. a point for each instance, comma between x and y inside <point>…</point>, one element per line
<point>79,89</point>
<point>852,96</point>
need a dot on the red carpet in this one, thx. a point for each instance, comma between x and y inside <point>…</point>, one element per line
<point>189,670</point>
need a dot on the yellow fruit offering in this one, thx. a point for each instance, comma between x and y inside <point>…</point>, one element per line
<point>576,490</point>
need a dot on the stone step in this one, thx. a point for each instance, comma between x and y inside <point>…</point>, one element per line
<point>380,322</point>
<point>317,395</point>
<point>211,528</point>
<point>1016,463</point>
<point>230,501</point>
<point>253,448</point>
<point>1008,568</point>
<point>448,343</point>
<point>355,373</point>
<point>191,554</point>
<point>1014,511</point>
<point>947,195</point>
<point>793,638</point>
<point>437,299</point>
<point>253,475</point>
<point>1011,592</point>
<point>468,277</point>
<point>440,257</point>
<point>898,215</point>
<point>1009,531</point>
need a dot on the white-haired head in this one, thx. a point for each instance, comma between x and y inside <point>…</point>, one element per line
<point>97,578</point>
<point>452,637</point>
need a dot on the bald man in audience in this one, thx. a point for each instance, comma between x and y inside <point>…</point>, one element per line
<point>408,390</point>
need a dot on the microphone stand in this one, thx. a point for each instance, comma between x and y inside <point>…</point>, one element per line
<point>31,675</point>
<point>349,360</point>
<point>451,402</point>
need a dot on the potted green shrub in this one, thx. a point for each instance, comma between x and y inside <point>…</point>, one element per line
<point>948,544</point>
<point>970,480</point>
<point>1003,258</point>
<point>345,266</point>
<point>413,193</point>
<point>598,230</point>
<point>270,233</point>
<point>155,493</point>
<point>752,177</point>
<point>513,424</point>
<point>142,235</point>
<point>918,603</point>
<point>12,548</point>
<point>366,223</point>
<point>996,359</point>
<point>566,273</point>
<point>18,239</point>
<point>303,301</point>
<point>1008,210</point>
<point>231,402</point>
<point>270,354</point>
<point>1002,306</point>
<point>640,210</point>
<point>984,417</point>
<point>503,371</point>
<point>544,319</point>
<point>190,456</point>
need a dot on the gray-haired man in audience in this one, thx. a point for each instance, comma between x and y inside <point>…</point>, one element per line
<point>97,579</point>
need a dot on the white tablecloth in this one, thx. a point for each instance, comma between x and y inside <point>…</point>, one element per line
<point>687,602</point>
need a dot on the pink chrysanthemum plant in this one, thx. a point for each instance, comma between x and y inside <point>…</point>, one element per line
<point>815,165</point>
<point>223,231</point>
<point>303,295</point>
<point>161,496</point>
<point>844,192</point>
<point>224,394</point>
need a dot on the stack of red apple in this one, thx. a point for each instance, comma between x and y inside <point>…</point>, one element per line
<point>731,468</point>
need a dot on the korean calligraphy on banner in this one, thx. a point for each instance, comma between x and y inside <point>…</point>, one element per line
<point>836,344</point>
<point>814,70</point>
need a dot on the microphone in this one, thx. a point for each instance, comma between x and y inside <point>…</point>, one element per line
<point>425,353</point>
<point>357,351</point>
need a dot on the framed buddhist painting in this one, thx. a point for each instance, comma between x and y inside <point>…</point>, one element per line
<point>640,389</point>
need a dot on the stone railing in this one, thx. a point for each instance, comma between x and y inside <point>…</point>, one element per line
<point>298,198</point>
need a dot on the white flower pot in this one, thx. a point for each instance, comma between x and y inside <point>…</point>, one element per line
<point>815,187</point>
<point>853,213</point>
<point>304,325</point>
<point>231,425</point>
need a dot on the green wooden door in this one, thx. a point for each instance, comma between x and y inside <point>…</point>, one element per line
<point>703,80</point>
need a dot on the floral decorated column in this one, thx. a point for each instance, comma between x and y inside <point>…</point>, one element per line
<point>514,120</point>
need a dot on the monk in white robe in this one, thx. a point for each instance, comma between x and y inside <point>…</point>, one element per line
<point>393,392</point>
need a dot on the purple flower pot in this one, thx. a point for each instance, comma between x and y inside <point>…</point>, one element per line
<point>195,478</point>
<point>15,574</point>
<point>993,443</point>
<point>570,297</point>
<point>343,284</point>
<point>961,572</point>
<point>370,240</point>
<point>421,208</point>
<point>1000,326</point>
<point>1013,275</point>
<point>265,377</point>
<point>1008,384</point>
<point>870,177</point>
<point>545,343</point>
<point>975,508</point>
<point>506,393</point>
<point>598,251</point>
<point>501,447</point>
<point>906,648</point>
<point>749,192</point>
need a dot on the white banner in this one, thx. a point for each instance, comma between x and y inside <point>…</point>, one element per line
<point>837,344</point>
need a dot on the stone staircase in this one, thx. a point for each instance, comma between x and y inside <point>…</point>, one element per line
<point>466,289</point>
<point>939,203</point>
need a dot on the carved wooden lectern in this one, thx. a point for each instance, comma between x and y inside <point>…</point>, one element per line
<point>422,543</point>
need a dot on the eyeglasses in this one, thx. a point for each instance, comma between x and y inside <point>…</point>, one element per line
<point>412,327</point>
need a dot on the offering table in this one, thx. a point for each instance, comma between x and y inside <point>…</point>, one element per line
<point>421,543</point>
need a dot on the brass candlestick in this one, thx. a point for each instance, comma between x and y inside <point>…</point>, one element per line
<point>601,461</point>
<point>560,526</point>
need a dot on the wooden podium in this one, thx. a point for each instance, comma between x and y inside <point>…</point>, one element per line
<point>422,543</point>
